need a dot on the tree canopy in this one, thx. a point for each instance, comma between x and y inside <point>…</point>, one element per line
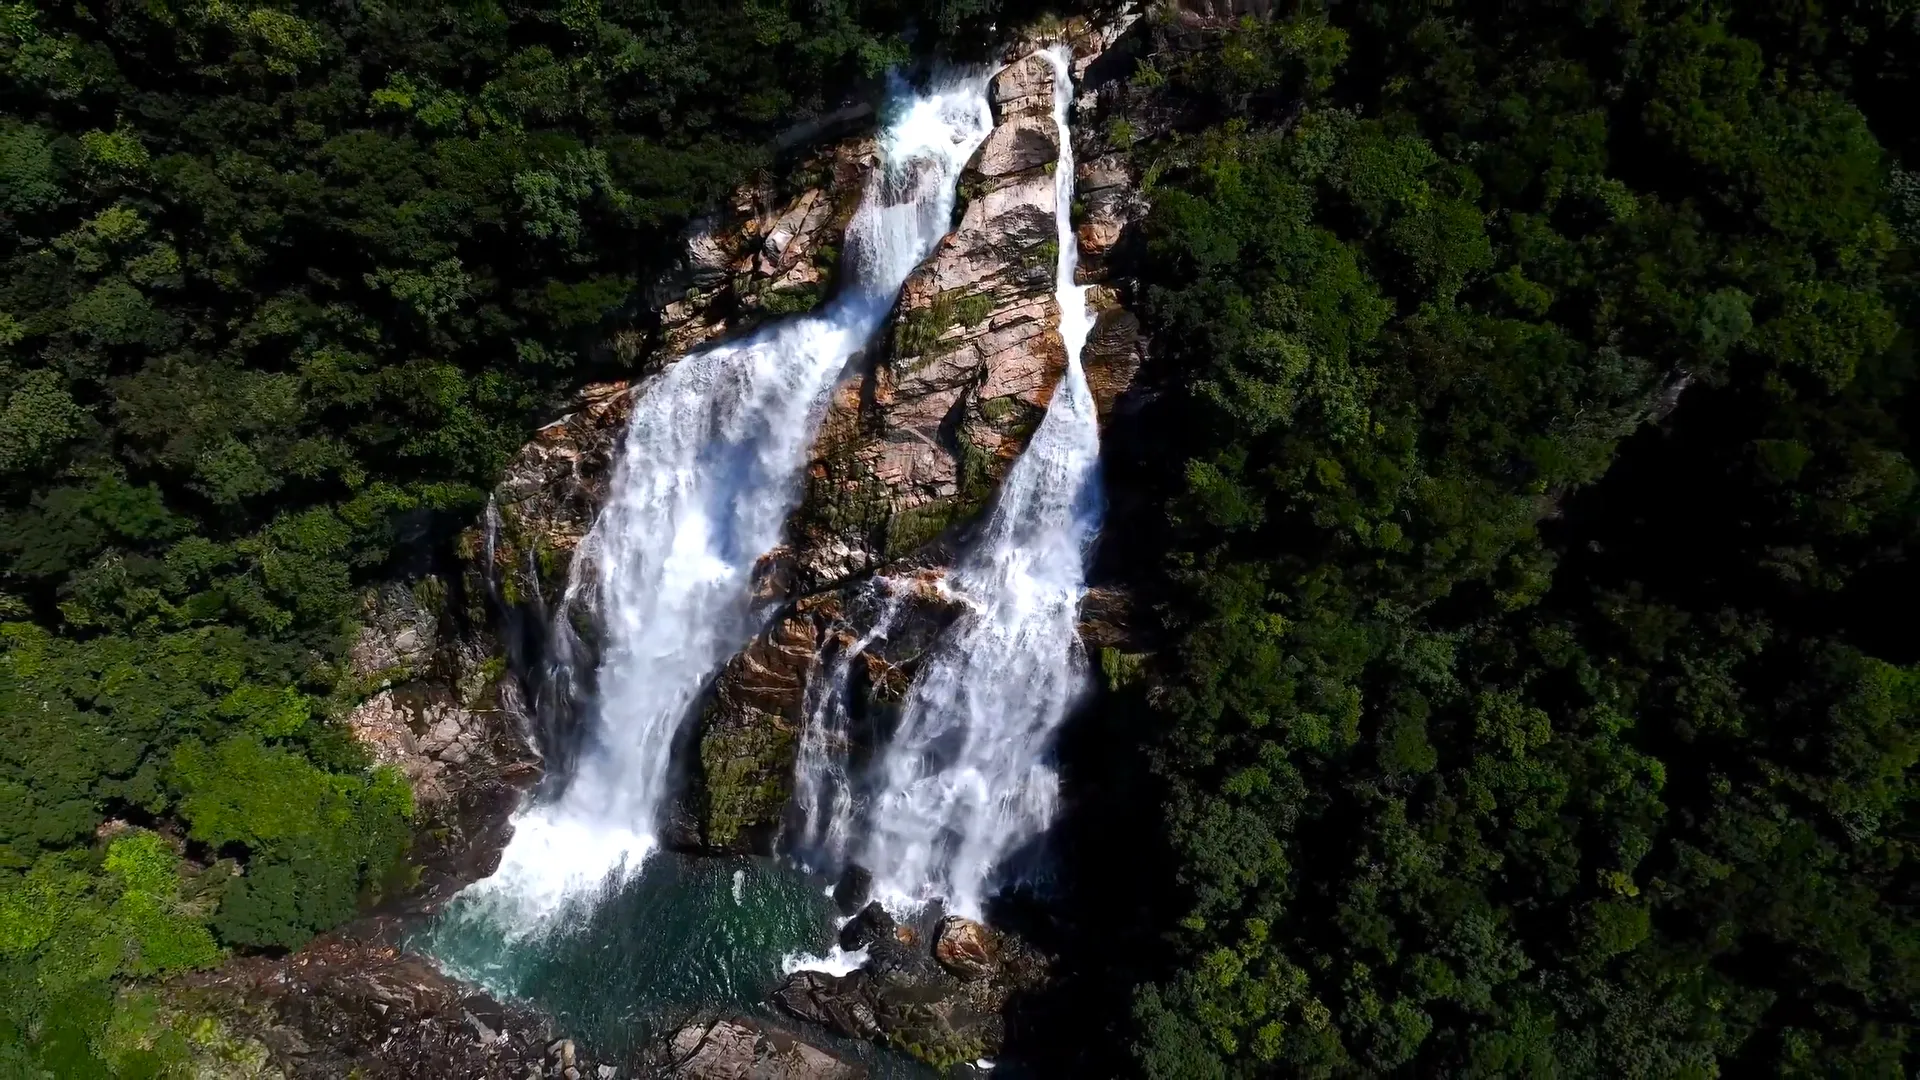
<point>1533,551</point>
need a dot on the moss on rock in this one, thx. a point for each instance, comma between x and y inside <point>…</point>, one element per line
<point>746,764</point>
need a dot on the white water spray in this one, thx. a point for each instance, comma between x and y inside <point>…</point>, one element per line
<point>706,478</point>
<point>823,789</point>
<point>966,780</point>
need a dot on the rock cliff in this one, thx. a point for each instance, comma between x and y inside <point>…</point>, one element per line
<point>917,441</point>
<point>911,450</point>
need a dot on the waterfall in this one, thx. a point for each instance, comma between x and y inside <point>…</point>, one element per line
<point>823,790</point>
<point>705,480</point>
<point>966,780</point>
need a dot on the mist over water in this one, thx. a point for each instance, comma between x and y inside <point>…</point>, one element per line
<point>966,779</point>
<point>707,475</point>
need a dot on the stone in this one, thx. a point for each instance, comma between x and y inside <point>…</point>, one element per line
<point>839,1003</point>
<point>484,1033</point>
<point>914,444</point>
<point>850,891</point>
<point>1023,143</point>
<point>743,1050</point>
<point>966,948</point>
<point>870,925</point>
<point>749,734</point>
<point>314,1013</point>
<point>1024,86</point>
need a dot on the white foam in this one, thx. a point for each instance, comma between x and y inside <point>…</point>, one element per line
<point>837,962</point>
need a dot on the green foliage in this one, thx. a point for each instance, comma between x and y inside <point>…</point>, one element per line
<point>71,922</point>
<point>282,904</point>
<point>1504,735</point>
<point>920,330</point>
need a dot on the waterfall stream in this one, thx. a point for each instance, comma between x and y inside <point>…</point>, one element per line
<point>965,780</point>
<point>706,478</point>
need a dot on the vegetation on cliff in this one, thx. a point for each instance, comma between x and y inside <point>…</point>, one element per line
<point>282,285</point>
<point>1505,733</point>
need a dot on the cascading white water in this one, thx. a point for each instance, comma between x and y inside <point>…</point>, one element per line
<point>823,789</point>
<point>707,476</point>
<point>965,780</point>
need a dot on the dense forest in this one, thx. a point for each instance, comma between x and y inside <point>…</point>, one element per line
<point>1524,520</point>
<point>1537,542</point>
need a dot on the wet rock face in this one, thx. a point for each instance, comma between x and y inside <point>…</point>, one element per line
<point>741,1050</point>
<point>748,735</point>
<point>941,1000</point>
<point>437,705</point>
<point>917,442</point>
<point>749,731</point>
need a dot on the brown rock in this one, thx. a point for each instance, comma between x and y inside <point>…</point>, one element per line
<point>1024,86</point>
<point>1112,357</point>
<point>966,948</point>
<point>749,735</point>
<point>1023,143</point>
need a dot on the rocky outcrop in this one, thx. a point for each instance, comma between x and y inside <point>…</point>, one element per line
<point>751,724</point>
<point>745,1050</point>
<point>343,1007</point>
<point>435,702</point>
<point>944,1003</point>
<point>917,442</point>
<point>749,732</point>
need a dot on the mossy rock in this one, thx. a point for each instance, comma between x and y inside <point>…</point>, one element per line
<point>791,301</point>
<point>746,764</point>
<point>919,330</point>
<point>928,1038</point>
<point>910,529</point>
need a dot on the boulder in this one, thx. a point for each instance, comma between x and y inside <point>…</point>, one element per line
<point>744,1050</point>
<point>843,1004</point>
<point>851,890</point>
<point>966,948</point>
<point>749,733</point>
